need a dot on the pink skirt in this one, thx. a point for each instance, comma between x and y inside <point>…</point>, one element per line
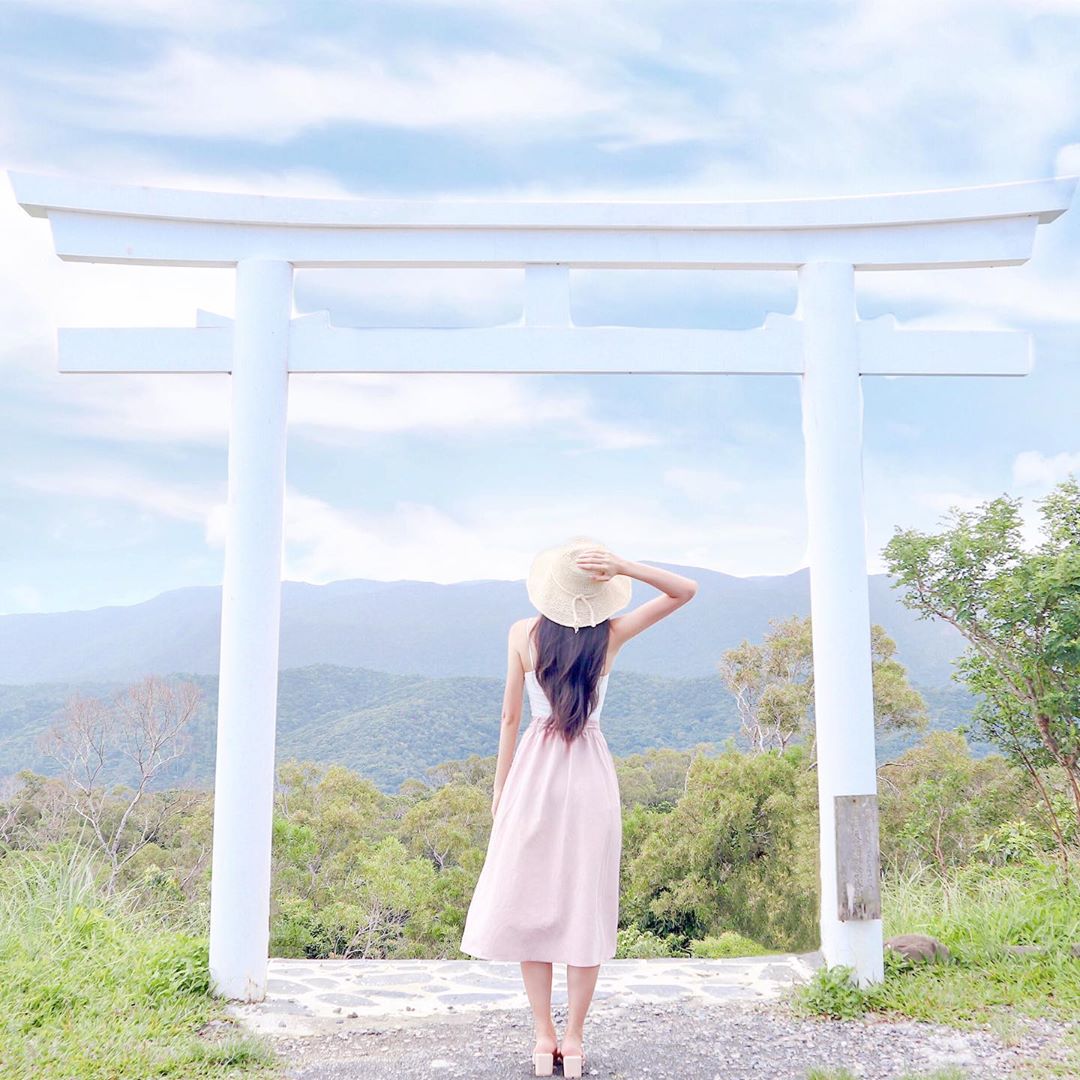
<point>549,887</point>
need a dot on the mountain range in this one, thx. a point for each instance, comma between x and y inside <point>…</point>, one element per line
<point>425,628</point>
<point>391,678</point>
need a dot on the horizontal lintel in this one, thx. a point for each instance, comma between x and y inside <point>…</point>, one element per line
<point>772,349</point>
<point>886,350</point>
<point>189,350</point>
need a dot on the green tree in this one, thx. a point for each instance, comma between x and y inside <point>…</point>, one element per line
<point>449,826</point>
<point>1019,610</point>
<point>938,802</point>
<point>773,685</point>
<point>738,852</point>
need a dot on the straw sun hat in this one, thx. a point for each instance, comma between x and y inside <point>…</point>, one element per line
<point>570,595</point>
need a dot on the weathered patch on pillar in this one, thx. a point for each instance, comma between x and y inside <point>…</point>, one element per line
<point>858,858</point>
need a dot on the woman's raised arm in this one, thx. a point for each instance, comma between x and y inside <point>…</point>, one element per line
<point>677,590</point>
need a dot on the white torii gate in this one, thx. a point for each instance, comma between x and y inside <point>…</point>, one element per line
<point>824,240</point>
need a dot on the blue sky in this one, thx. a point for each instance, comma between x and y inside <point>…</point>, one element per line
<point>113,488</point>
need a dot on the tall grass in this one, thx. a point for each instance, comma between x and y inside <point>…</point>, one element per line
<point>977,912</point>
<point>978,909</point>
<point>93,987</point>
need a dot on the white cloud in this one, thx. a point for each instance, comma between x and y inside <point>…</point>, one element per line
<point>15,599</point>
<point>1033,469</point>
<point>200,15</point>
<point>193,92</point>
<point>480,538</point>
<point>336,410</point>
<point>703,485</point>
<point>474,537</point>
<point>116,482</point>
<point>914,499</point>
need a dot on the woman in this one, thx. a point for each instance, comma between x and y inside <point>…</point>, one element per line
<point>549,888</point>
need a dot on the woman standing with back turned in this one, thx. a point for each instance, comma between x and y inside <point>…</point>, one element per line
<point>549,888</point>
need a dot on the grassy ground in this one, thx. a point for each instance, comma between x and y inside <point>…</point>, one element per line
<point>90,990</point>
<point>976,912</point>
<point>844,1074</point>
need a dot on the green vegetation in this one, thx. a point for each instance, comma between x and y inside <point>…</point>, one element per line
<point>978,912</point>
<point>104,887</point>
<point>772,682</point>
<point>389,728</point>
<point>1019,609</point>
<point>91,987</point>
<point>845,1074</point>
<point>726,943</point>
<point>719,859</point>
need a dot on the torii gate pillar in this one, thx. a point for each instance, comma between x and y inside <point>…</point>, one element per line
<point>250,621</point>
<point>840,618</point>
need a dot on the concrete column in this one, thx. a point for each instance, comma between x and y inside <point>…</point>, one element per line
<point>843,701</point>
<point>250,624</point>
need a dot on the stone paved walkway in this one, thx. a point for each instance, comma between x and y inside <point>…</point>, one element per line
<point>651,1020</point>
<point>307,997</point>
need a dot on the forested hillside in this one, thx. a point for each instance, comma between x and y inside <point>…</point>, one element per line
<point>390,727</point>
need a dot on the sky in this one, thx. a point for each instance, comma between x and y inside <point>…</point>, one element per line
<point>113,487</point>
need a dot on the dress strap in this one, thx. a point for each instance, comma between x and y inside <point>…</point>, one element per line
<point>532,647</point>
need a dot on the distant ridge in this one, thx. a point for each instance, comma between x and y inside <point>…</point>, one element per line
<point>428,629</point>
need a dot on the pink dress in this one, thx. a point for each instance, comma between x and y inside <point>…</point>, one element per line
<point>549,887</point>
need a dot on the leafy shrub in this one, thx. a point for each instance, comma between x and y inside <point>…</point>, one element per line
<point>725,944</point>
<point>641,944</point>
<point>738,852</point>
<point>832,991</point>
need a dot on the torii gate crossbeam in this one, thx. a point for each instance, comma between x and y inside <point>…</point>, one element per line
<point>823,240</point>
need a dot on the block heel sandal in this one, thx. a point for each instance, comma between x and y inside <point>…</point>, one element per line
<point>573,1064</point>
<point>543,1064</point>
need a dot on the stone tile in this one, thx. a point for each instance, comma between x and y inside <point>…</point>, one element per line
<point>720,990</point>
<point>473,999</point>
<point>781,972</point>
<point>489,980</point>
<point>660,989</point>
<point>282,986</point>
<point>345,999</point>
<point>417,987</point>
<point>389,978</point>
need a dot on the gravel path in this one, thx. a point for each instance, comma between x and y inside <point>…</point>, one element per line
<point>682,1040</point>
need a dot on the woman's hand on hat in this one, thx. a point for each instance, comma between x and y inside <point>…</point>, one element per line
<point>600,564</point>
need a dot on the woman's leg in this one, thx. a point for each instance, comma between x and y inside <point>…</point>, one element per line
<point>536,975</point>
<point>580,983</point>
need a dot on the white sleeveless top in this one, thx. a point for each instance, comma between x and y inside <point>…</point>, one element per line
<point>540,706</point>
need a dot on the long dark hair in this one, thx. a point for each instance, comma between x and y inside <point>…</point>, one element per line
<point>568,668</point>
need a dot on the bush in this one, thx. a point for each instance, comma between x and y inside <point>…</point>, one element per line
<point>725,944</point>
<point>832,991</point>
<point>738,852</point>
<point>641,944</point>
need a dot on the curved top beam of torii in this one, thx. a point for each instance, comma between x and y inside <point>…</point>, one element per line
<point>987,225</point>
